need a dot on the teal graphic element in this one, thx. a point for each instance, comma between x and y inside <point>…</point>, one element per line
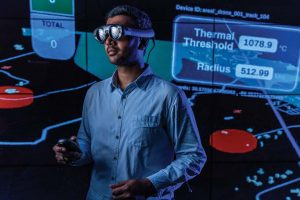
<point>53,28</point>
<point>62,7</point>
<point>99,65</point>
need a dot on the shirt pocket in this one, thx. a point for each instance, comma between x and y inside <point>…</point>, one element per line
<point>144,130</point>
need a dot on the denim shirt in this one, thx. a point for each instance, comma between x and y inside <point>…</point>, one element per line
<point>147,130</point>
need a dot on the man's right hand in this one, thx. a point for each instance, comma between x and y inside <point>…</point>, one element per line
<point>65,156</point>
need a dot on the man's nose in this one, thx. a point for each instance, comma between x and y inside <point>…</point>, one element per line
<point>109,41</point>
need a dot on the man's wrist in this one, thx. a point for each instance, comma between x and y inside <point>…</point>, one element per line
<point>150,190</point>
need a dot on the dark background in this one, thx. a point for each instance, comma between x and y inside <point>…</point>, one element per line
<point>31,172</point>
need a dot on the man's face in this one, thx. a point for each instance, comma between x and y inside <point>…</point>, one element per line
<point>123,52</point>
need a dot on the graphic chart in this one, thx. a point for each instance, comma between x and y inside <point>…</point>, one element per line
<point>240,74</point>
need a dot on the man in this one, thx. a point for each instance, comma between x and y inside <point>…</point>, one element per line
<point>137,129</point>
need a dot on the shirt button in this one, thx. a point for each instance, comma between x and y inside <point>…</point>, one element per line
<point>112,178</point>
<point>119,117</point>
<point>115,158</point>
<point>117,137</point>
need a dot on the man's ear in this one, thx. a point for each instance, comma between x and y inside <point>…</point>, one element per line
<point>143,44</point>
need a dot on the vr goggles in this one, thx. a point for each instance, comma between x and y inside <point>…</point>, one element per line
<point>116,32</point>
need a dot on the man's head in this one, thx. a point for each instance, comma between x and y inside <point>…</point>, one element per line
<point>140,19</point>
<point>129,49</point>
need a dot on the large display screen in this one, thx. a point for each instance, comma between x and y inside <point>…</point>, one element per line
<point>237,61</point>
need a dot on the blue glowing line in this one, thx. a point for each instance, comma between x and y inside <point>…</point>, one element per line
<point>285,128</point>
<point>279,129</point>
<point>230,83</point>
<point>43,135</point>
<point>275,187</point>
<point>280,119</point>
<point>278,116</point>
<point>193,97</point>
<point>64,90</point>
<point>174,47</point>
<point>25,82</point>
<point>45,130</point>
<point>50,93</point>
<point>15,57</point>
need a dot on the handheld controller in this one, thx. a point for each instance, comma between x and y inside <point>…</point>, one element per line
<point>69,144</point>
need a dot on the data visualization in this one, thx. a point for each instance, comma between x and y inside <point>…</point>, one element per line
<point>53,28</point>
<point>235,53</point>
<point>237,63</point>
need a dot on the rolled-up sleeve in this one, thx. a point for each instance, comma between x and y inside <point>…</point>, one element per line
<point>190,156</point>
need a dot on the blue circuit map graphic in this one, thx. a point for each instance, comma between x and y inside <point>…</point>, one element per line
<point>24,82</point>
<point>219,84</point>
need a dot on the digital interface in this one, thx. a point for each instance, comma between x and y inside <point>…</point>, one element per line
<point>53,27</point>
<point>238,64</point>
<point>235,53</point>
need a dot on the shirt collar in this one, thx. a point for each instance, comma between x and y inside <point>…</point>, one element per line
<point>139,81</point>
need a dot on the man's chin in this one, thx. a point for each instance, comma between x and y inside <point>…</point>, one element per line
<point>118,62</point>
<point>113,61</point>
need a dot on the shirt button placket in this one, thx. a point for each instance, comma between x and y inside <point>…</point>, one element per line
<point>115,157</point>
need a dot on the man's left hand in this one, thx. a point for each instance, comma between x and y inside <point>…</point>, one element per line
<point>131,188</point>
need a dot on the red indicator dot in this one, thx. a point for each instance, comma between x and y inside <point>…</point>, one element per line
<point>233,141</point>
<point>15,97</point>
<point>237,111</point>
<point>6,67</point>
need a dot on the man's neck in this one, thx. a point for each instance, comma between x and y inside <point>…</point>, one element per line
<point>127,75</point>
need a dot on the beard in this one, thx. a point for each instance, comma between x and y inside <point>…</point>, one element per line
<point>120,58</point>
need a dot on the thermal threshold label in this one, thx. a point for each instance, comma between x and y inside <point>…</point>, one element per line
<point>235,53</point>
<point>53,28</point>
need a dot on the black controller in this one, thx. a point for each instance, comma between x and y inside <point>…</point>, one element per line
<point>69,144</point>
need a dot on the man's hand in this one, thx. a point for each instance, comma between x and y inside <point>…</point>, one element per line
<point>63,156</point>
<point>132,188</point>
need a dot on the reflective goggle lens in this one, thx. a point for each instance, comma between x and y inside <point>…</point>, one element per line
<point>101,35</point>
<point>114,31</point>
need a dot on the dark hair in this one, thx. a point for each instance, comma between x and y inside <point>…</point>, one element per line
<point>140,18</point>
